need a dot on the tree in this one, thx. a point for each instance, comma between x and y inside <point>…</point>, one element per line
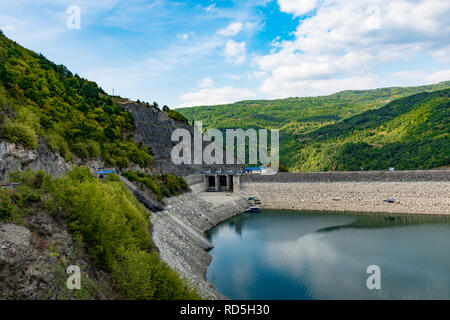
<point>165,108</point>
<point>155,104</point>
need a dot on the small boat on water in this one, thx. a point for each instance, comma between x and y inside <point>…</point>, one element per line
<point>253,209</point>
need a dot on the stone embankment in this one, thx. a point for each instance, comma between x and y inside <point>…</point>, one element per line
<point>178,232</point>
<point>417,192</point>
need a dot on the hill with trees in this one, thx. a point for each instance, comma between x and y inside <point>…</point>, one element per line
<point>402,127</point>
<point>44,104</point>
<point>72,115</point>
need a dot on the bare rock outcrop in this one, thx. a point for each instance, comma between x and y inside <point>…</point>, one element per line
<point>154,129</point>
<point>14,157</point>
<point>34,258</point>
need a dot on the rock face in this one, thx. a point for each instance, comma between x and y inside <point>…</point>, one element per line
<point>15,244</point>
<point>200,212</point>
<point>154,129</point>
<point>14,157</point>
<point>34,257</point>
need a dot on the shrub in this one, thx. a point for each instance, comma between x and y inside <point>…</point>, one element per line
<point>177,116</point>
<point>112,177</point>
<point>136,275</point>
<point>57,143</point>
<point>122,162</point>
<point>25,194</point>
<point>80,149</point>
<point>19,133</point>
<point>7,207</point>
<point>161,185</point>
<point>93,148</point>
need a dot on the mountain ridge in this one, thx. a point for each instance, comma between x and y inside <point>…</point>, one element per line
<point>302,120</point>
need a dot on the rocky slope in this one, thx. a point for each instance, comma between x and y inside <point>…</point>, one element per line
<point>14,157</point>
<point>34,257</point>
<point>154,129</point>
<point>200,212</point>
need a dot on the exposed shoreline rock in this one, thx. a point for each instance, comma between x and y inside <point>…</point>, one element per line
<point>200,212</point>
<point>410,197</point>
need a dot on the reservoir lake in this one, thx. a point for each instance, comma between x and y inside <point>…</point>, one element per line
<point>323,255</point>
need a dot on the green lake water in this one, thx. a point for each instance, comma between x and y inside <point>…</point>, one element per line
<point>319,255</point>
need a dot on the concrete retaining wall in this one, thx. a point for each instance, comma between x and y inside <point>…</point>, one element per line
<point>352,176</point>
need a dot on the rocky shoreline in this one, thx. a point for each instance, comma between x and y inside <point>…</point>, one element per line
<point>410,197</point>
<point>199,212</point>
<point>414,191</point>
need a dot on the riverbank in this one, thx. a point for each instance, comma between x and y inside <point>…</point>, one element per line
<point>415,192</point>
<point>177,229</point>
<point>410,197</point>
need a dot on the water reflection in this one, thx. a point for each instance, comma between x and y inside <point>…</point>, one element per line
<point>292,255</point>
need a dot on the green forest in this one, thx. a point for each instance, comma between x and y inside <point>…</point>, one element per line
<point>405,128</point>
<point>73,115</point>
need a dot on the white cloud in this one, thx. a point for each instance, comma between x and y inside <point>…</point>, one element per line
<point>232,29</point>
<point>235,52</point>
<point>343,42</point>
<point>439,76</point>
<point>297,7</point>
<point>206,83</point>
<point>213,96</point>
<point>409,74</point>
<point>257,75</point>
<point>211,8</point>
<point>183,36</point>
<point>442,54</point>
<point>233,76</point>
<point>309,88</point>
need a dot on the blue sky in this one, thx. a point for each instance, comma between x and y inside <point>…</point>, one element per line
<point>184,53</point>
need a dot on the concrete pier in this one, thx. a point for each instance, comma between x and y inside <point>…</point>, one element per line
<point>222,182</point>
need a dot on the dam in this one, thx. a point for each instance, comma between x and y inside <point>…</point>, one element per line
<point>222,180</point>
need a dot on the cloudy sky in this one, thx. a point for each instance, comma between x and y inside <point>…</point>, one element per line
<point>185,53</point>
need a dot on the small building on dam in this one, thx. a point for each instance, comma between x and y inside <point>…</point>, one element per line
<point>222,180</point>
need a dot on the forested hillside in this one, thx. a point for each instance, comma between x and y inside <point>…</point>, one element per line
<point>73,115</point>
<point>408,133</point>
<point>42,103</point>
<point>350,130</point>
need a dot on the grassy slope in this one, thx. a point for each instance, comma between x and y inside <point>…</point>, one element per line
<point>299,118</point>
